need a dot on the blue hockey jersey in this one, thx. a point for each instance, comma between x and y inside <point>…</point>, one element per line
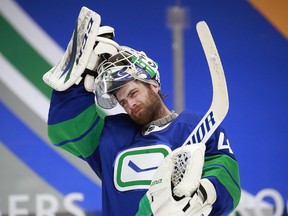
<point>125,158</point>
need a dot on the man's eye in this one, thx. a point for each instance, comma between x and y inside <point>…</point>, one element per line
<point>133,93</point>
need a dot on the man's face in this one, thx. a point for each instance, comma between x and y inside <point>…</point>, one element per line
<point>141,101</point>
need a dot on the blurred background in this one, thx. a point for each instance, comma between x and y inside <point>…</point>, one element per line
<point>251,37</point>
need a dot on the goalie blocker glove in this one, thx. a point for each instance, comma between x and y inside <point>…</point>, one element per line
<point>160,200</point>
<point>89,45</point>
<point>202,200</point>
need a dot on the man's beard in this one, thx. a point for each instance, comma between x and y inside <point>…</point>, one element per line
<point>149,109</point>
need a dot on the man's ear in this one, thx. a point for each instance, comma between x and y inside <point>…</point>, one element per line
<point>155,87</point>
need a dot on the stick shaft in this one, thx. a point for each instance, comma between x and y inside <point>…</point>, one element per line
<point>220,101</point>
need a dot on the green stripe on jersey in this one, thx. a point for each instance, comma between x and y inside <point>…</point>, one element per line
<point>86,146</point>
<point>78,135</point>
<point>224,167</point>
<point>24,57</point>
<point>144,207</point>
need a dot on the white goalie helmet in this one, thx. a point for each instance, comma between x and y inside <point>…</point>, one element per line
<point>127,65</point>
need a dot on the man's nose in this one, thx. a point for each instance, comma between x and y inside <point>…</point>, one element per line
<point>131,103</point>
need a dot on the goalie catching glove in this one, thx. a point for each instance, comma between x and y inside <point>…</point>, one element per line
<point>90,44</point>
<point>177,188</point>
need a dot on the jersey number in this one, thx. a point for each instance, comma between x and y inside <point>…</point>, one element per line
<point>224,145</point>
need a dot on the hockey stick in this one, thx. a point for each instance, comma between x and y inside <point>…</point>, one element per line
<point>220,101</point>
<point>187,161</point>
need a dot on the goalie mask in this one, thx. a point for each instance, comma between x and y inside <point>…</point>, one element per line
<point>125,66</point>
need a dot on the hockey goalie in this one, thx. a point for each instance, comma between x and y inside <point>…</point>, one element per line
<point>107,108</point>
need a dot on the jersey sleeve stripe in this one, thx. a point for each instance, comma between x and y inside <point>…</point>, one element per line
<point>79,136</point>
<point>224,168</point>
